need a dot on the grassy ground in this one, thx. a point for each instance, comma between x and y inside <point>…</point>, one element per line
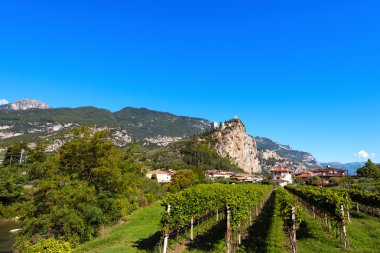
<point>211,240</point>
<point>139,234</point>
<point>311,237</point>
<point>364,233</point>
<point>142,232</point>
<point>266,234</point>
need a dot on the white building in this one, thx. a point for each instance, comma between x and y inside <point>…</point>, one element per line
<point>281,176</point>
<point>214,174</point>
<point>161,176</point>
<point>214,125</point>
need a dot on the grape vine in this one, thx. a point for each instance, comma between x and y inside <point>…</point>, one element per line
<point>200,200</point>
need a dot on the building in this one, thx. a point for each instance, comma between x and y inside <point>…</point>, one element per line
<point>161,176</point>
<point>326,173</point>
<point>214,174</point>
<point>281,176</point>
<point>233,176</point>
<point>242,177</point>
<point>214,125</point>
<point>303,175</point>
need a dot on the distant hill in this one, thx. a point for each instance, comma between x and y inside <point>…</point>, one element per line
<point>287,152</point>
<point>143,123</point>
<point>31,120</point>
<point>145,126</point>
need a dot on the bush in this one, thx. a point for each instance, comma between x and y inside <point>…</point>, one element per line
<point>50,246</point>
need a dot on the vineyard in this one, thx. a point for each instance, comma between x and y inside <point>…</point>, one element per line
<point>241,203</point>
<point>233,212</point>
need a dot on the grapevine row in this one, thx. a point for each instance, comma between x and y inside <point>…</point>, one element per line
<point>326,200</point>
<point>200,200</point>
<point>364,197</point>
<point>240,202</point>
<point>289,209</point>
<point>331,205</point>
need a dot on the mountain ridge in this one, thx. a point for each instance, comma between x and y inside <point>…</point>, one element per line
<point>150,128</point>
<point>286,151</point>
<point>146,126</point>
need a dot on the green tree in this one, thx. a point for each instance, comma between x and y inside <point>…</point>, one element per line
<point>37,154</point>
<point>369,170</point>
<point>13,153</point>
<point>183,179</point>
<point>92,157</point>
<point>313,180</point>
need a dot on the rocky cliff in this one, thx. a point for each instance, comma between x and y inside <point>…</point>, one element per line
<point>287,152</point>
<point>233,142</point>
<point>269,159</point>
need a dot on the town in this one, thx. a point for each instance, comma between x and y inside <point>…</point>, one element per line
<point>327,176</point>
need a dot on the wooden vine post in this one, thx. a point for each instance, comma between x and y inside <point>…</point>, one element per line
<point>192,229</point>
<point>228,233</point>
<point>348,212</point>
<point>294,231</point>
<point>345,238</point>
<point>166,238</point>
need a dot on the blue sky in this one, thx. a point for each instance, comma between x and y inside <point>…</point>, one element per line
<point>304,73</point>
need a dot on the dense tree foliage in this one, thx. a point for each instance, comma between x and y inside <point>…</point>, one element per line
<point>369,170</point>
<point>196,154</point>
<point>183,179</point>
<point>70,194</point>
<point>50,246</point>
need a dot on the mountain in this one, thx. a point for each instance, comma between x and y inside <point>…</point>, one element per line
<point>151,126</point>
<point>285,153</point>
<point>227,147</point>
<point>145,126</point>
<point>22,121</point>
<point>24,104</point>
<point>270,159</point>
<point>232,141</point>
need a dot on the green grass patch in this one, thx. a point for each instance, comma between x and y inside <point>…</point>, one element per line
<point>364,233</point>
<point>266,234</point>
<point>139,234</point>
<point>312,237</point>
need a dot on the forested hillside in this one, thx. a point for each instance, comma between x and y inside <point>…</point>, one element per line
<point>148,127</point>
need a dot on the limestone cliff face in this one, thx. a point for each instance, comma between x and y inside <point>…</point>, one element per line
<point>233,142</point>
<point>270,159</point>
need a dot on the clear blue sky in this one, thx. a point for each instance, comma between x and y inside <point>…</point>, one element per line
<point>304,73</point>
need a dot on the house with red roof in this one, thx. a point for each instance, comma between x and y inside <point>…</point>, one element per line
<point>281,176</point>
<point>328,172</point>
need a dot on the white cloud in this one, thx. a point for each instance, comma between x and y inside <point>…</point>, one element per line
<point>3,101</point>
<point>365,155</point>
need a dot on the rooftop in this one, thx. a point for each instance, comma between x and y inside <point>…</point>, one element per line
<point>279,170</point>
